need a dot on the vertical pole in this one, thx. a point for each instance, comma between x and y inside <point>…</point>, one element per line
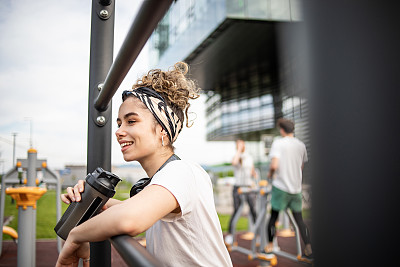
<point>26,255</point>
<point>354,62</point>
<point>31,171</point>
<point>27,221</point>
<point>2,204</point>
<point>14,136</point>
<point>58,209</point>
<point>99,123</point>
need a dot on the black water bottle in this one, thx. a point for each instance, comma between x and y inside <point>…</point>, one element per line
<point>99,187</point>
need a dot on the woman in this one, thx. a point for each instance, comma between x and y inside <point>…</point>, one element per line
<point>245,176</point>
<point>176,209</point>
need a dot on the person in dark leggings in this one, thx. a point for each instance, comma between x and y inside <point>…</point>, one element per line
<point>244,174</point>
<point>287,156</point>
<point>305,234</point>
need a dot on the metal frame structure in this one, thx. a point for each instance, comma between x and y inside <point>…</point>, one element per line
<point>27,216</point>
<point>298,257</point>
<point>104,80</point>
<point>257,228</point>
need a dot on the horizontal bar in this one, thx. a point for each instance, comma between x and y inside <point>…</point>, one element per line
<point>150,14</point>
<point>132,252</point>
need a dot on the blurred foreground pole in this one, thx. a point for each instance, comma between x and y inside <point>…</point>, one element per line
<point>99,123</point>
<point>353,49</point>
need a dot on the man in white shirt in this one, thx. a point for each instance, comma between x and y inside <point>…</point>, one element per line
<point>287,156</point>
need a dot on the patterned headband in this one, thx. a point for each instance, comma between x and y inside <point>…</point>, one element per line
<point>164,115</point>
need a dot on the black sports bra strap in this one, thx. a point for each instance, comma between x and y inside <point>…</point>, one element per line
<point>172,158</point>
<point>142,183</point>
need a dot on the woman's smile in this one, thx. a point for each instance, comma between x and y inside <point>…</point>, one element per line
<point>125,145</point>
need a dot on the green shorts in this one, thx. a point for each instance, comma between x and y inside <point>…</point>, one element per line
<point>281,200</point>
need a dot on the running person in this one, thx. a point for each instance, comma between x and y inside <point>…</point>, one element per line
<point>287,155</point>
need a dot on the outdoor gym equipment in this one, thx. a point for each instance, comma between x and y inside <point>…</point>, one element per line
<point>26,195</point>
<point>298,257</point>
<point>258,228</point>
<point>11,232</point>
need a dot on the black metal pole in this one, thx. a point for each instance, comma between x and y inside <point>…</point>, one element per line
<point>149,15</point>
<point>99,123</point>
<point>355,81</point>
<point>133,253</point>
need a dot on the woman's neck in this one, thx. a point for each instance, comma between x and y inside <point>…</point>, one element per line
<point>153,163</point>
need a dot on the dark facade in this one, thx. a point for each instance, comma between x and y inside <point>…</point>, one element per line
<point>242,54</point>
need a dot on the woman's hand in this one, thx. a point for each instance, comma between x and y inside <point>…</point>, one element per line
<point>240,146</point>
<point>73,193</point>
<point>72,252</point>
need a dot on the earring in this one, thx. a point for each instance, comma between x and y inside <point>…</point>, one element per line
<point>162,140</point>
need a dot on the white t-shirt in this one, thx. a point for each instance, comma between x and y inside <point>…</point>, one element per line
<point>291,153</point>
<point>243,170</point>
<point>194,236</point>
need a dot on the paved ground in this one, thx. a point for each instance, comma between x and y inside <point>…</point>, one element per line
<point>46,254</point>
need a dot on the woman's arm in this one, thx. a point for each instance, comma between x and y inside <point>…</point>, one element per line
<point>132,216</point>
<point>111,202</point>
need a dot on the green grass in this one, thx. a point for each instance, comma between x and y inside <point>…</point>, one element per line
<point>46,213</point>
<point>242,224</point>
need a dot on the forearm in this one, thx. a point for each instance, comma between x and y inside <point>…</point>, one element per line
<point>271,172</point>
<point>112,201</point>
<point>236,159</point>
<point>99,228</point>
<point>273,166</point>
<point>132,216</point>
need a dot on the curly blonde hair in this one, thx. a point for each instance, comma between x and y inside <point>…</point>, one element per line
<point>174,87</point>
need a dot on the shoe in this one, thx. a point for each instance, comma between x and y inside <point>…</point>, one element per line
<point>307,258</point>
<point>267,255</point>
<point>229,239</point>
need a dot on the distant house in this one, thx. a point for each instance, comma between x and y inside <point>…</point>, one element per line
<point>72,173</point>
<point>130,172</point>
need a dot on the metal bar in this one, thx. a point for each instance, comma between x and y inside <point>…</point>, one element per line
<point>133,253</point>
<point>149,15</point>
<point>5,180</point>
<point>99,125</point>
<point>2,205</point>
<point>286,255</point>
<point>296,231</point>
<point>58,199</point>
<point>237,216</point>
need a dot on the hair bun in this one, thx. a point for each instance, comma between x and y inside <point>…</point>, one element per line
<point>174,87</point>
<point>182,67</point>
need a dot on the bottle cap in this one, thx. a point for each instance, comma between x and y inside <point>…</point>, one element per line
<point>103,181</point>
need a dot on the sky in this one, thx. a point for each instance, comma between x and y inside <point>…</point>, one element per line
<point>44,79</point>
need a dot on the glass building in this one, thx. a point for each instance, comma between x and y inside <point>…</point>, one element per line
<point>241,53</point>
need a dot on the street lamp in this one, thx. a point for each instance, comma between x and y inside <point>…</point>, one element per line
<point>14,136</point>
<point>30,119</point>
